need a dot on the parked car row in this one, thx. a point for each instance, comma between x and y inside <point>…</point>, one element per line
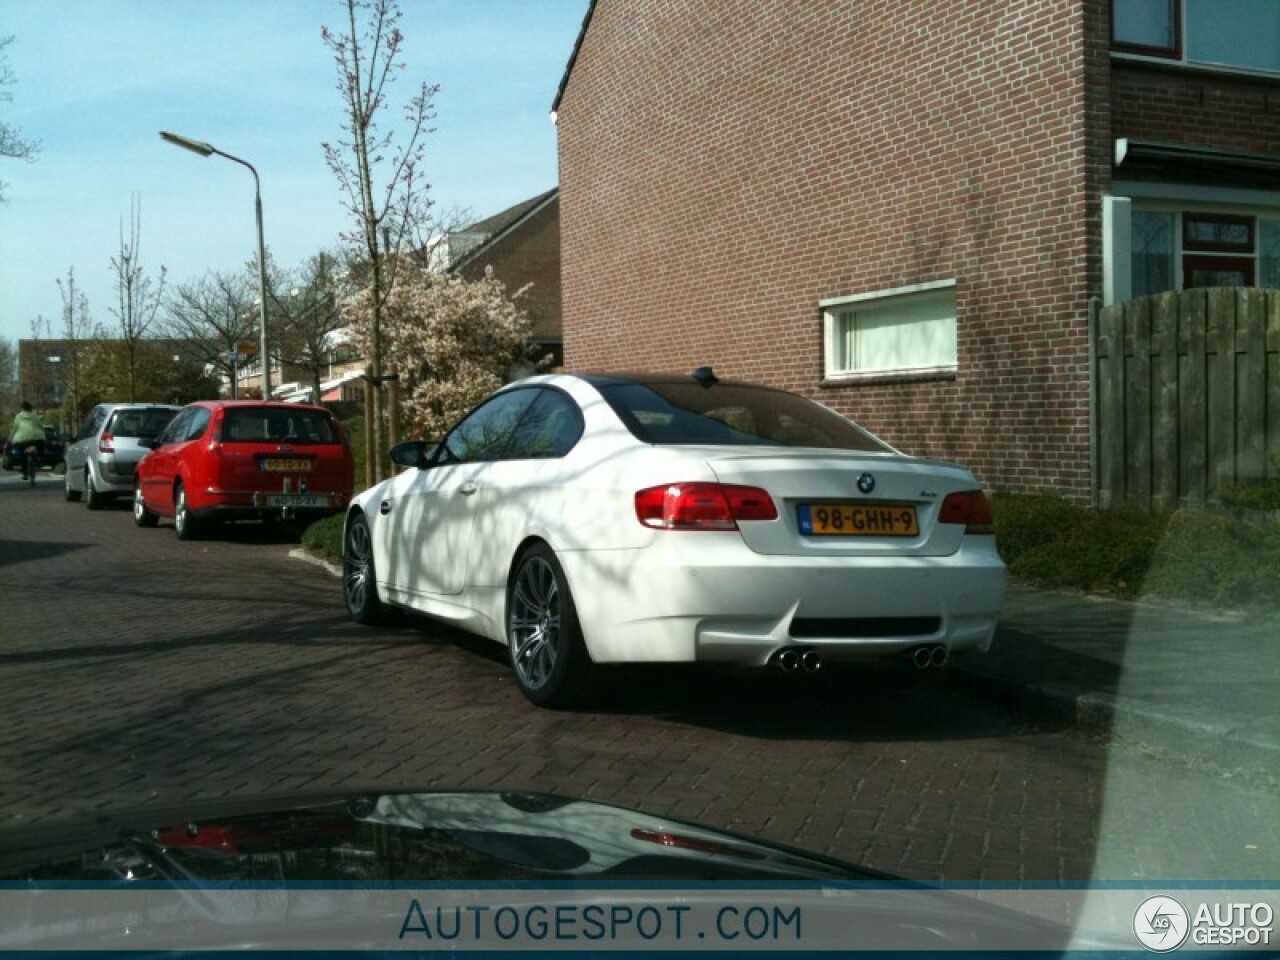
<point>212,461</point>
<point>583,520</point>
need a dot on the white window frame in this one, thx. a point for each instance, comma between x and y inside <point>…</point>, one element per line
<point>1129,197</point>
<point>834,307</point>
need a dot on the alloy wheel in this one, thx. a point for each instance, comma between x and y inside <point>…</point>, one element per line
<point>549,654</point>
<point>184,524</point>
<point>534,623</point>
<point>141,515</point>
<point>359,583</point>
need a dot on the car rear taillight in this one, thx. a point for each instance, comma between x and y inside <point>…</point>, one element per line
<point>106,443</point>
<point>969,507</point>
<point>702,506</point>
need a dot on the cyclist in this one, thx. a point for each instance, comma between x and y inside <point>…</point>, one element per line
<point>27,431</point>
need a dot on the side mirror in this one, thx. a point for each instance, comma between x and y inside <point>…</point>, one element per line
<point>411,453</point>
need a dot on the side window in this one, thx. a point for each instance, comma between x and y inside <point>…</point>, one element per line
<point>89,428</point>
<point>486,431</point>
<point>177,428</point>
<point>550,428</point>
<point>199,420</point>
<point>155,420</point>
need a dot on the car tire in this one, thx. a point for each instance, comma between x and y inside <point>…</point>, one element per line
<point>92,498</point>
<point>185,525</point>
<point>359,580</point>
<point>68,493</point>
<point>141,515</point>
<point>548,653</point>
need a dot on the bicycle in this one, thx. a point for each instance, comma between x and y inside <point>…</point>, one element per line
<point>30,463</point>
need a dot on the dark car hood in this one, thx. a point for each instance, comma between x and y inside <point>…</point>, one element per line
<point>535,844</point>
<point>438,836</point>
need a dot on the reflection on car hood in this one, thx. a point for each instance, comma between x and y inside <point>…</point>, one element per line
<point>401,836</point>
<point>403,841</point>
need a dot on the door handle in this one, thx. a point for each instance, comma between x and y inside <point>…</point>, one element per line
<point>467,489</point>
<point>384,507</point>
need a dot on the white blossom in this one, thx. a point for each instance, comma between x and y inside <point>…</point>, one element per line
<point>451,340</point>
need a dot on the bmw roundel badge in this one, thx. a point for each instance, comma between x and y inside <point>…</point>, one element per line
<point>866,483</point>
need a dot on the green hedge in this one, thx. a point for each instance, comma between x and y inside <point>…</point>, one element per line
<point>1206,558</point>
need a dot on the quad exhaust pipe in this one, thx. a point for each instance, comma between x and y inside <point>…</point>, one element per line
<point>925,657</point>
<point>791,659</point>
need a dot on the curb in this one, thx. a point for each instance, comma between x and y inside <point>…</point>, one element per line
<point>306,556</point>
<point>1129,719</point>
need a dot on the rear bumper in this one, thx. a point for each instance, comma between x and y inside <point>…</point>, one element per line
<point>683,600</point>
<point>255,505</point>
<point>115,478</point>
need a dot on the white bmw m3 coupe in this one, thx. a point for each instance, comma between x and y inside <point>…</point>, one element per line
<point>594,519</point>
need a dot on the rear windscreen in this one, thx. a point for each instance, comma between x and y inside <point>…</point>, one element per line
<point>730,414</point>
<point>269,425</point>
<point>140,423</point>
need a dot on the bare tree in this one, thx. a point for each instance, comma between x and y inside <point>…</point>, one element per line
<point>214,315</point>
<point>138,300</point>
<point>431,239</point>
<point>385,189</point>
<point>77,327</point>
<point>12,143</point>
<point>310,320</point>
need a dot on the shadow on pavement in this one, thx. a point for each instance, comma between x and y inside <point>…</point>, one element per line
<point>25,551</point>
<point>328,631</point>
<point>871,702</point>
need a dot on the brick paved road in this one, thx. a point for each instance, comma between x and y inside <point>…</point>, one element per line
<point>142,669</point>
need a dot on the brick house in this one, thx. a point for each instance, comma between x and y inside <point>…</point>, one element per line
<point>912,210</point>
<point>522,245</point>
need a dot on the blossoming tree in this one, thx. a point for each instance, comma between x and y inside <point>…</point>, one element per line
<point>451,340</point>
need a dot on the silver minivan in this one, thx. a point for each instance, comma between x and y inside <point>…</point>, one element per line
<point>102,458</point>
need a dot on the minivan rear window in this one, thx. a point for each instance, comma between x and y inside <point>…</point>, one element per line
<point>140,423</point>
<point>272,424</point>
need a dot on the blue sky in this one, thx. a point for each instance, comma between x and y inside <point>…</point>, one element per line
<point>96,80</point>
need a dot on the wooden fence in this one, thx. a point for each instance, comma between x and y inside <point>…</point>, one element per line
<point>1188,395</point>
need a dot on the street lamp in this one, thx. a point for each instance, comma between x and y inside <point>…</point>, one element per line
<point>205,149</point>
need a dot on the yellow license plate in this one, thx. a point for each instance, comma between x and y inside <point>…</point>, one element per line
<point>857,520</point>
<point>287,464</point>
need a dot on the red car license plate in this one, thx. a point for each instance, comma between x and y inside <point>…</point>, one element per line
<point>287,464</point>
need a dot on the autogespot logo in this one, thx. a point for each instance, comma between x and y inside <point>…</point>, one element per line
<point>1161,924</point>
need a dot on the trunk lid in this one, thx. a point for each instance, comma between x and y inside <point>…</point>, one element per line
<point>269,450</point>
<point>833,503</point>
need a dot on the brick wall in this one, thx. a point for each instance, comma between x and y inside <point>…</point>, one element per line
<point>1158,102</point>
<point>726,165</point>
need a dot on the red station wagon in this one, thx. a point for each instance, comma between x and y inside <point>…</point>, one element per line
<point>244,460</point>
